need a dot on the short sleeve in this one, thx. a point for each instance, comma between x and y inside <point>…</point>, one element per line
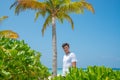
<point>73,57</point>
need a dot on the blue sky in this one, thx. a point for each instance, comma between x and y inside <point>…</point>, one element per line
<point>95,39</point>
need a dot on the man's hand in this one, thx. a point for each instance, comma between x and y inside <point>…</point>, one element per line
<point>74,64</point>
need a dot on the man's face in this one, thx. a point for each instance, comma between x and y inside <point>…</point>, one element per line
<point>66,49</point>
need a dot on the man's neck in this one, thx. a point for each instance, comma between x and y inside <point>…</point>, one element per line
<point>68,53</point>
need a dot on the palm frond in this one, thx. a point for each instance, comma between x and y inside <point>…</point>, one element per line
<point>32,4</point>
<point>46,23</point>
<point>67,1</point>
<point>50,3</point>
<point>88,6</point>
<point>43,13</point>
<point>67,17</point>
<point>63,16</point>
<point>3,18</point>
<point>59,17</point>
<point>14,4</point>
<point>76,7</point>
<point>19,8</point>
<point>28,4</point>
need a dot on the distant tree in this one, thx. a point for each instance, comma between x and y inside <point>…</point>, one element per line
<point>8,34</point>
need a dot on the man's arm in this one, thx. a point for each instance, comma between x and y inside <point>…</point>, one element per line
<point>74,64</point>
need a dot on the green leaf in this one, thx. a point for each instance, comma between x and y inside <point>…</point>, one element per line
<point>19,62</point>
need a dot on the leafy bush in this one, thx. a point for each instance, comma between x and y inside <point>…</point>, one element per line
<point>19,62</point>
<point>91,73</point>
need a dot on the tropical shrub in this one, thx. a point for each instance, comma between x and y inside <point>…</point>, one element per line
<point>19,62</point>
<point>91,73</point>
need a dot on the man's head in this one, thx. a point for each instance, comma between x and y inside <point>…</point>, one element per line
<point>66,47</point>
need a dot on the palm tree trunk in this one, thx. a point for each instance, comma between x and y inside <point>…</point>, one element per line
<point>54,45</point>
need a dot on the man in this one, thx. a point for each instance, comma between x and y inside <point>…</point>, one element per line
<point>69,59</point>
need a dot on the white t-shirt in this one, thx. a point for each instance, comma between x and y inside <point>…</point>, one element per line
<point>67,62</point>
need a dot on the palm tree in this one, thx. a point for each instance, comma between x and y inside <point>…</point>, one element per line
<point>53,10</point>
<point>7,33</point>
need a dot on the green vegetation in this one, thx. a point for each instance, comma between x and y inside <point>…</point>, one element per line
<point>19,62</point>
<point>91,73</point>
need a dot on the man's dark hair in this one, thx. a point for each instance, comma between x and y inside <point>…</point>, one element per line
<point>65,44</point>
